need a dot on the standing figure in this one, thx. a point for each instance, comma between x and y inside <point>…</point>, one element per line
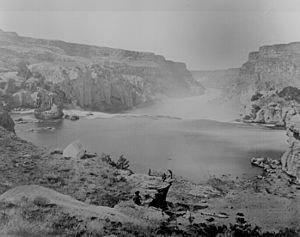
<point>170,174</point>
<point>137,198</point>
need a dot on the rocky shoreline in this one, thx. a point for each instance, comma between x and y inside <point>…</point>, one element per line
<point>47,192</point>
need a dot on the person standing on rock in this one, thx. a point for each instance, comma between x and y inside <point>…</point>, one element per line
<point>170,175</point>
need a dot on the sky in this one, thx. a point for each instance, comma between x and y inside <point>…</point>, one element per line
<point>205,34</point>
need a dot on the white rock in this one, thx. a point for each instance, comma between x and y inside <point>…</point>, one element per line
<point>74,150</point>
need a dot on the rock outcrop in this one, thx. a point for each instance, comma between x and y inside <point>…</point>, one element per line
<point>91,77</point>
<point>49,105</point>
<point>291,158</point>
<point>6,121</point>
<point>273,107</point>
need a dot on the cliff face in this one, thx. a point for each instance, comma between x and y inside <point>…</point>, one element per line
<point>91,77</point>
<point>268,76</point>
<point>291,158</point>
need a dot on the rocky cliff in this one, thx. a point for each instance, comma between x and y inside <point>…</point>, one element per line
<point>268,83</point>
<point>291,158</point>
<point>91,77</point>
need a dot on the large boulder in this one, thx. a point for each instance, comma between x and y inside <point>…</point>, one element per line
<point>291,158</point>
<point>6,121</point>
<point>74,150</point>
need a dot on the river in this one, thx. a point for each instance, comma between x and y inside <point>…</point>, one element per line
<point>179,134</point>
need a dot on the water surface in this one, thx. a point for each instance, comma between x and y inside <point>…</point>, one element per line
<point>196,149</point>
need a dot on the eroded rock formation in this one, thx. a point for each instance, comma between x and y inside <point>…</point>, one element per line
<point>273,107</point>
<point>291,158</point>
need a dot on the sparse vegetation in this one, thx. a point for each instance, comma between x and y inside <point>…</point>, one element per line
<point>290,93</point>
<point>122,163</point>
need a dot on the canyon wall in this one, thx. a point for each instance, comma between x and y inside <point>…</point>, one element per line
<point>90,77</point>
<point>267,85</point>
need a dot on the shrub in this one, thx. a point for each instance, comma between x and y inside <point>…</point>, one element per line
<point>122,163</point>
<point>107,159</point>
<point>290,93</point>
<point>256,96</point>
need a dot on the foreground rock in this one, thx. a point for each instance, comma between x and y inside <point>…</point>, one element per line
<point>291,158</point>
<point>37,211</point>
<point>6,121</point>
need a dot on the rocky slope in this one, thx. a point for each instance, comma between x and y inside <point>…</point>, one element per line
<point>268,84</point>
<point>91,77</point>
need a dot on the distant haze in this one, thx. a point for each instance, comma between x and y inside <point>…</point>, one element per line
<point>205,35</point>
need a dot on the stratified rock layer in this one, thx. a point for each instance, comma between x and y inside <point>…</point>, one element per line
<point>91,77</point>
<point>291,158</point>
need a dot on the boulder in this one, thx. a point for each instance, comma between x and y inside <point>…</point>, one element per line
<point>72,117</point>
<point>74,150</point>
<point>6,121</point>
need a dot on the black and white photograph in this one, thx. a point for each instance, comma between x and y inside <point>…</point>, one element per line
<point>149,118</point>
